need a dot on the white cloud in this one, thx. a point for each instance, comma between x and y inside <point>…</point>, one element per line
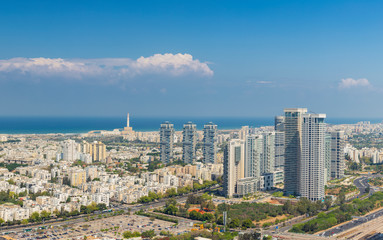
<point>350,82</point>
<point>263,82</point>
<point>104,68</point>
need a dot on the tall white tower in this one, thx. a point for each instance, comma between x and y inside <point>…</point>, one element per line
<point>233,165</point>
<point>312,164</point>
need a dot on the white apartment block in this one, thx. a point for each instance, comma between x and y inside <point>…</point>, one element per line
<point>313,157</point>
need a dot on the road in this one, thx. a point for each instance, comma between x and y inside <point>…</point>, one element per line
<point>362,184</point>
<point>354,223</point>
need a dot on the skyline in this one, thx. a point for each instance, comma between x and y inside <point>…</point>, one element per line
<point>246,59</point>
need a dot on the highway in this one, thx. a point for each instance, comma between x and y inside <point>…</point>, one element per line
<point>362,184</point>
<point>354,223</point>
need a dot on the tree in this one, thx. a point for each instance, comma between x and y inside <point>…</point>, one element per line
<point>152,195</point>
<point>220,220</point>
<point>170,201</point>
<point>129,234</point>
<point>250,236</point>
<point>247,223</point>
<point>171,210</point>
<point>12,195</point>
<point>92,207</point>
<point>45,214</point>
<point>288,207</point>
<point>208,217</point>
<point>195,215</point>
<point>57,212</point>
<point>165,233</point>
<point>171,192</point>
<point>24,221</point>
<point>74,213</point>
<point>35,217</point>
<point>11,181</point>
<point>144,199</point>
<point>341,197</point>
<point>101,206</point>
<point>327,202</point>
<point>148,234</point>
<point>208,205</point>
<point>234,223</point>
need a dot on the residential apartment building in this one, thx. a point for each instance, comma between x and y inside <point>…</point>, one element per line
<point>337,154</point>
<point>210,141</point>
<point>312,162</point>
<point>166,142</point>
<point>253,155</point>
<point>189,142</point>
<point>268,160</point>
<point>234,160</point>
<point>279,127</point>
<point>293,148</point>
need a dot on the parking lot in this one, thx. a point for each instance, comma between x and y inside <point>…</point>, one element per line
<point>111,227</point>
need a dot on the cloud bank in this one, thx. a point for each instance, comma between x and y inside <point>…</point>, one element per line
<point>351,83</point>
<point>172,65</point>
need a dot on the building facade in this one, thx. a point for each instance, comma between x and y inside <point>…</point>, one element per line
<point>233,166</point>
<point>268,160</point>
<point>253,155</point>
<point>293,146</point>
<point>337,154</point>
<point>98,151</point>
<point>69,151</point>
<point>327,163</point>
<point>210,141</point>
<point>166,142</point>
<point>189,142</point>
<point>279,127</point>
<point>312,167</point>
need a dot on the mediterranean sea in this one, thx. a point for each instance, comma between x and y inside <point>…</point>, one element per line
<point>44,125</point>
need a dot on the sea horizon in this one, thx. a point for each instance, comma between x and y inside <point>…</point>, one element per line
<point>77,125</point>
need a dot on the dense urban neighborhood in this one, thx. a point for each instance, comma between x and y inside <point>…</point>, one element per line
<point>207,183</point>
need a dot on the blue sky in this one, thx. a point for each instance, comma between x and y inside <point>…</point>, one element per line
<point>190,58</point>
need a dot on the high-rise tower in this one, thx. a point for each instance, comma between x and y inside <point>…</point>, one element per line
<point>327,157</point>
<point>166,142</point>
<point>337,154</point>
<point>233,165</point>
<point>293,147</point>
<point>189,142</point>
<point>268,159</point>
<point>253,155</point>
<point>279,128</point>
<point>210,143</point>
<point>312,162</point>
